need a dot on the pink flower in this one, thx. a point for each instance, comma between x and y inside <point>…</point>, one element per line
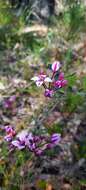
<point>53,83</point>
<point>21,138</point>
<point>40,79</point>
<point>8,138</point>
<point>36,144</point>
<point>48,93</point>
<point>22,135</point>
<point>54,140</point>
<point>10,133</point>
<point>9,129</point>
<point>58,84</point>
<point>61,76</point>
<point>18,144</point>
<point>64,83</point>
<point>30,142</point>
<point>55,66</point>
<point>61,82</point>
<point>38,152</point>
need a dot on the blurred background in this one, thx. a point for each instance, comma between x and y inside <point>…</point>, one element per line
<point>33,34</point>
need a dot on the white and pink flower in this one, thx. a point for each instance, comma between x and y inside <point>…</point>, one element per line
<point>40,79</point>
<point>56,66</point>
<point>53,83</point>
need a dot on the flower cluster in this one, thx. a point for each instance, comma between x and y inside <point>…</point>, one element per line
<point>54,84</point>
<point>34,143</point>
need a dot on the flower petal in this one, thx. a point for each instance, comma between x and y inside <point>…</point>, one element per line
<point>39,83</point>
<point>35,78</point>
<point>41,75</point>
<point>58,84</point>
<point>22,135</point>
<point>55,138</point>
<point>48,93</point>
<point>30,141</point>
<point>8,138</point>
<point>47,79</point>
<point>12,98</point>
<point>17,144</point>
<point>55,66</point>
<point>64,83</point>
<point>61,76</point>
